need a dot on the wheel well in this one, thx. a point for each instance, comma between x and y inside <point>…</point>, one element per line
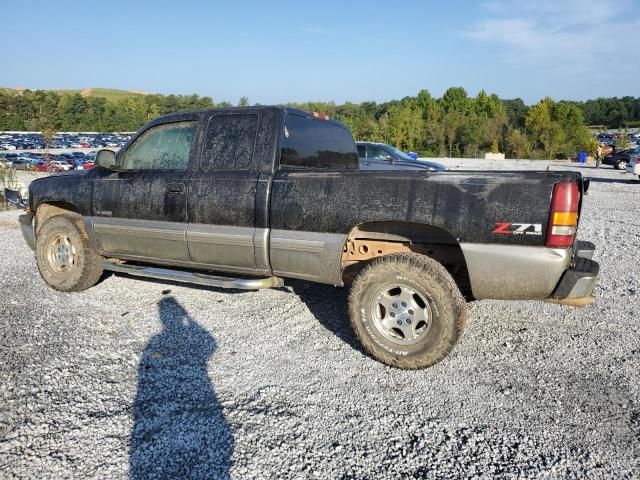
<point>45,211</point>
<point>369,240</point>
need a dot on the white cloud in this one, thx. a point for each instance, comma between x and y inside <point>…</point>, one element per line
<point>561,12</point>
<point>579,36</point>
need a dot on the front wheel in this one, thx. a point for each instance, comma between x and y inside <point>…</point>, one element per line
<point>66,260</point>
<point>621,165</point>
<point>406,310</point>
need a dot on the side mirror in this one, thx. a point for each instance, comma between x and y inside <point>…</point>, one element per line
<point>106,159</point>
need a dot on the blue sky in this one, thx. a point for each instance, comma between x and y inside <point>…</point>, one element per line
<point>279,51</point>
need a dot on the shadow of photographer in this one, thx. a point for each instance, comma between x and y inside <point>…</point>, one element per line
<point>179,427</point>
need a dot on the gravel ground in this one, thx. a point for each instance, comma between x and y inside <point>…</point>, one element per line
<point>143,379</point>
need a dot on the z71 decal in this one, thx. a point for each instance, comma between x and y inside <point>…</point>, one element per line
<point>508,228</point>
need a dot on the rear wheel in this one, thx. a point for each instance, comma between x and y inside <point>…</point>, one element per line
<point>66,260</point>
<point>621,165</point>
<point>406,310</point>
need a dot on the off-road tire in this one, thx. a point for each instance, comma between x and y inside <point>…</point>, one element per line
<point>87,267</point>
<point>426,277</point>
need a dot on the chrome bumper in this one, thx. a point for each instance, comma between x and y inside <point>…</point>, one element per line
<point>27,228</point>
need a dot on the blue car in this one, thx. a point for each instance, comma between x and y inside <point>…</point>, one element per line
<point>379,156</point>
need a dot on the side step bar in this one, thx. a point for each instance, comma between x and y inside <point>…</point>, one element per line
<point>194,277</point>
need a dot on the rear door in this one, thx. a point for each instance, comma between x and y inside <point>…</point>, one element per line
<point>141,211</point>
<point>317,156</point>
<point>222,214</point>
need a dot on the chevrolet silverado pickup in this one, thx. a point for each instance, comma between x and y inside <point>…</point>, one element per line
<point>246,197</point>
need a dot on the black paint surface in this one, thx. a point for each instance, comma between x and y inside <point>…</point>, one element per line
<point>247,190</point>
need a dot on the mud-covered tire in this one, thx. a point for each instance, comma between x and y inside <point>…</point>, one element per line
<point>427,280</point>
<point>83,268</point>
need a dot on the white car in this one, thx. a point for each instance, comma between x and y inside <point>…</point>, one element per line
<point>56,164</point>
<point>634,163</point>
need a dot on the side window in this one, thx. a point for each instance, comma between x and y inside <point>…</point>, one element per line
<point>377,153</point>
<point>230,141</point>
<point>311,143</point>
<point>163,147</point>
<point>362,151</point>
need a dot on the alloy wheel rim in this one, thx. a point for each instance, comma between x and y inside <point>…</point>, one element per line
<point>401,314</point>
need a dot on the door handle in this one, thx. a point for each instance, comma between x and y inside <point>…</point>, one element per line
<point>175,188</point>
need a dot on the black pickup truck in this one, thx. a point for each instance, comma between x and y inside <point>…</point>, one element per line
<point>264,193</point>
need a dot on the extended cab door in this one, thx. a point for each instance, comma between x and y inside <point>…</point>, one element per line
<point>226,214</point>
<point>317,157</point>
<point>141,211</point>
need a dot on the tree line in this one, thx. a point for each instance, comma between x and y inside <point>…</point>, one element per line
<point>452,125</point>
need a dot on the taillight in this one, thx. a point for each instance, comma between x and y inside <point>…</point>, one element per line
<point>563,218</point>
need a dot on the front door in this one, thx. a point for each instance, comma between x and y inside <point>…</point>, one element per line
<point>141,211</point>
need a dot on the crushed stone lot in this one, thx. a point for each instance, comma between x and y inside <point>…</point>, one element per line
<point>145,379</point>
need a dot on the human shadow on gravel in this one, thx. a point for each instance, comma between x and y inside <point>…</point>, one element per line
<point>329,306</point>
<point>179,427</point>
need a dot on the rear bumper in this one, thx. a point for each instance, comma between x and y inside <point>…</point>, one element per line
<point>27,228</point>
<point>578,282</point>
<point>512,272</point>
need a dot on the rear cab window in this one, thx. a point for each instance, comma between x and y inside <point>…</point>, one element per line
<point>316,143</point>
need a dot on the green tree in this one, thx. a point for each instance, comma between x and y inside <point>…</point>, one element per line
<point>455,99</point>
<point>71,109</point>
<point>452,122</point>
<point>518,144</point>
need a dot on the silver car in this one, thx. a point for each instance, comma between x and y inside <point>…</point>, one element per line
<point>633,166</point>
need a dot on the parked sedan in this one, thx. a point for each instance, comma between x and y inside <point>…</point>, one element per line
<point>379,156</point>
<point>52,166</point>
<point>633,166</point>
<point>41,165</point>
<point>618,160</point>
<point>22,163</point>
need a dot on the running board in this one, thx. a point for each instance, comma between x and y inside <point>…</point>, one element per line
<point>195,277</point>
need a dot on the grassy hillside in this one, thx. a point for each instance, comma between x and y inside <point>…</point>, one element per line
<point>111,94</point>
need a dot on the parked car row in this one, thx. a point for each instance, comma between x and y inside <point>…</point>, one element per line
<point>33,141</point>
<point>49,162</point>
<point>613,139</point>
